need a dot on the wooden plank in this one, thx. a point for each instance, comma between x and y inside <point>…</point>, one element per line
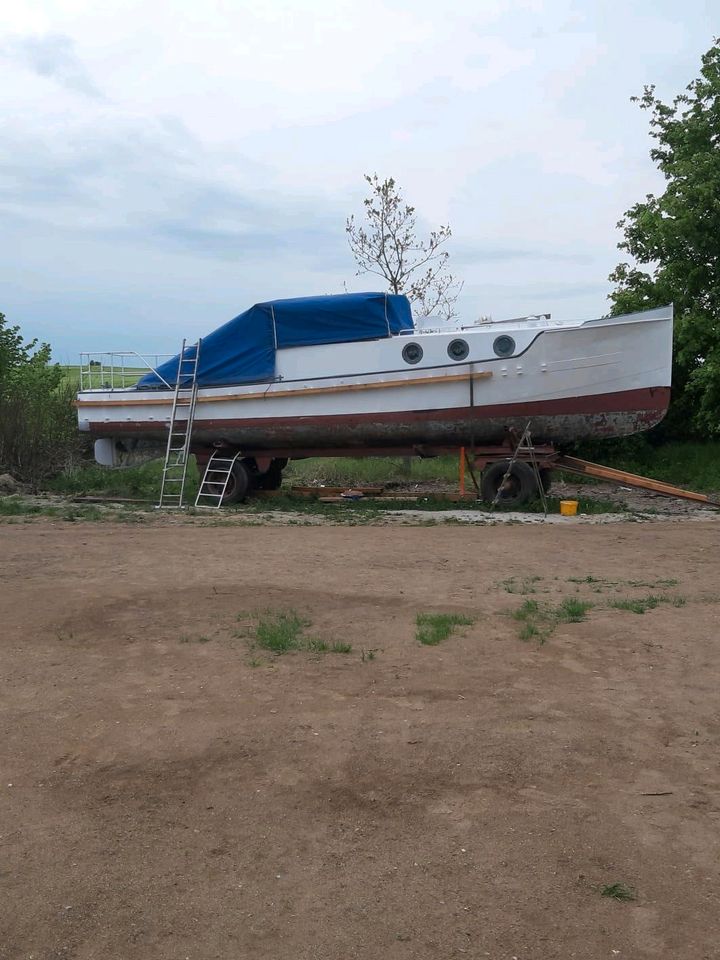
<point>587,469</point>
<point>383,499</point>
<point>89,499</point>
<point>269,394</point>
<point>334,491</point>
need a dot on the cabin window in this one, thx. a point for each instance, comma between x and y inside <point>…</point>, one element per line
<point>458,349</point>
<point>504,346</point>
<point>412,353</point>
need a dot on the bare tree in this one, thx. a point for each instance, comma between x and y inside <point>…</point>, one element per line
<point>387,246</point>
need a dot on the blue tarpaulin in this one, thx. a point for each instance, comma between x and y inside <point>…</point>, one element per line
<point>243,350</point>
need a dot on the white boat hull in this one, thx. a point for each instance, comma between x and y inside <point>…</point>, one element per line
<point>607,377</point>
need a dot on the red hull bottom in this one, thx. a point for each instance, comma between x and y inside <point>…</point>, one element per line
<point>552,421</point>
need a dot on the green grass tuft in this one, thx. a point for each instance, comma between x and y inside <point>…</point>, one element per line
<point>317,645</point>
<point>643,604</point>
<point>572,610</point>
<point>339,647</point>
<point>618,891</point>
<point>530,631</point>
<point>539,620</point>
<point>280,632</point>
<point>522,586</point>
<point>527,610</point>
<point>433,628</point>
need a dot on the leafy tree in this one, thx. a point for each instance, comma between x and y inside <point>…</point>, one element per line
<point>674,240</point>
<point>38,430</point>
<point>388,246</point>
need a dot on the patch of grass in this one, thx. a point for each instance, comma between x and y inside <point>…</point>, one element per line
<point>600,584</point>
<point>540,620</point>
<point>572,610</point>
<point>521,586</point>
<point>618,891</point>
<point>433,628</point>
<point>353,512</point>
<point>336,471</point>
<point>284,631</point>
<point>527,610</point>
<point>322,646</point>
<point>317,645</point>
<point>643,604</point>
<point>650,584</point>
<point>18,507</point>
<point>694,465</point>
<point>280,632</point>
<point>530,631</point>
<point>339,647</point>
<point>141,482</point>
<point>99,378</point>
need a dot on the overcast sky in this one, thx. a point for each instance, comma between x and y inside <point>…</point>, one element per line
<point>164,165</point>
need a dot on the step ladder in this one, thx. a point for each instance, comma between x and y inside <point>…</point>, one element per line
<point>177,452</point>
<point>524,450</point>
<point>215,480</point>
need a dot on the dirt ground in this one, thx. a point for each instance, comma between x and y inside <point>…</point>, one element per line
<point>169,793</point>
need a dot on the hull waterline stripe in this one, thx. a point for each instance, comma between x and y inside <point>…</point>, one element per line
<point>139,400</point>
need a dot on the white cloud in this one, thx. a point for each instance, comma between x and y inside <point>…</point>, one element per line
<point>51,55</point>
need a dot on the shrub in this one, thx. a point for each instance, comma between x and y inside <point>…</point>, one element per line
<point>38,428</point>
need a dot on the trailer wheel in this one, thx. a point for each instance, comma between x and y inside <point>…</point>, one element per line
<point>238,483</point>
<point>272,478</point>
<point>546,477</point>
<point>520,487</point>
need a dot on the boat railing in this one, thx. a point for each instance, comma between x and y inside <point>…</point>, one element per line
<point>118,369</point>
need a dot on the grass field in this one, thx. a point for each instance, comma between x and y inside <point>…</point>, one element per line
<point>104,376</point>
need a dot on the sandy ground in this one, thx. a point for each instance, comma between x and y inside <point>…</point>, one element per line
<point>166,797</point>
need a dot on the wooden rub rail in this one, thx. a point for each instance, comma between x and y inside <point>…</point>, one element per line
<point>587,469</point>
<point>130,399</point>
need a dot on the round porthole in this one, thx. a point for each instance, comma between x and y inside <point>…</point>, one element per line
<point>504,346</point>
<point>412,353</point>
<point>458,349</point>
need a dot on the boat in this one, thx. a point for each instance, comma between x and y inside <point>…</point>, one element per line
<point>353,375</point>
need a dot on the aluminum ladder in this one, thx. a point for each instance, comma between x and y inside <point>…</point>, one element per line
<point>215,480</point>
<point>177,452</point>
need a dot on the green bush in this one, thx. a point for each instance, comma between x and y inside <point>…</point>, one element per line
<point>38,425</point>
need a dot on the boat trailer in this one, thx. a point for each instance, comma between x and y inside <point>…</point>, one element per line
<point>510,473</point>
<point>537,462</point>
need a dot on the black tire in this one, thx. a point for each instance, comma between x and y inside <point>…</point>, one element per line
<point>547,477</point>
<point>520,487</point>
<point>238,484</point>
<point>272,478</point>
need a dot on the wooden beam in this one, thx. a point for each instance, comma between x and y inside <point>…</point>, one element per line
<point>140,399</point>
<point>587,469</point>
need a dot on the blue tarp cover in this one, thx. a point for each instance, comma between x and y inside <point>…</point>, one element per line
<point>243,350</point>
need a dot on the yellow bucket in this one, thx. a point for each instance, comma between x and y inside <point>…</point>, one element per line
<point>568,508</point>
